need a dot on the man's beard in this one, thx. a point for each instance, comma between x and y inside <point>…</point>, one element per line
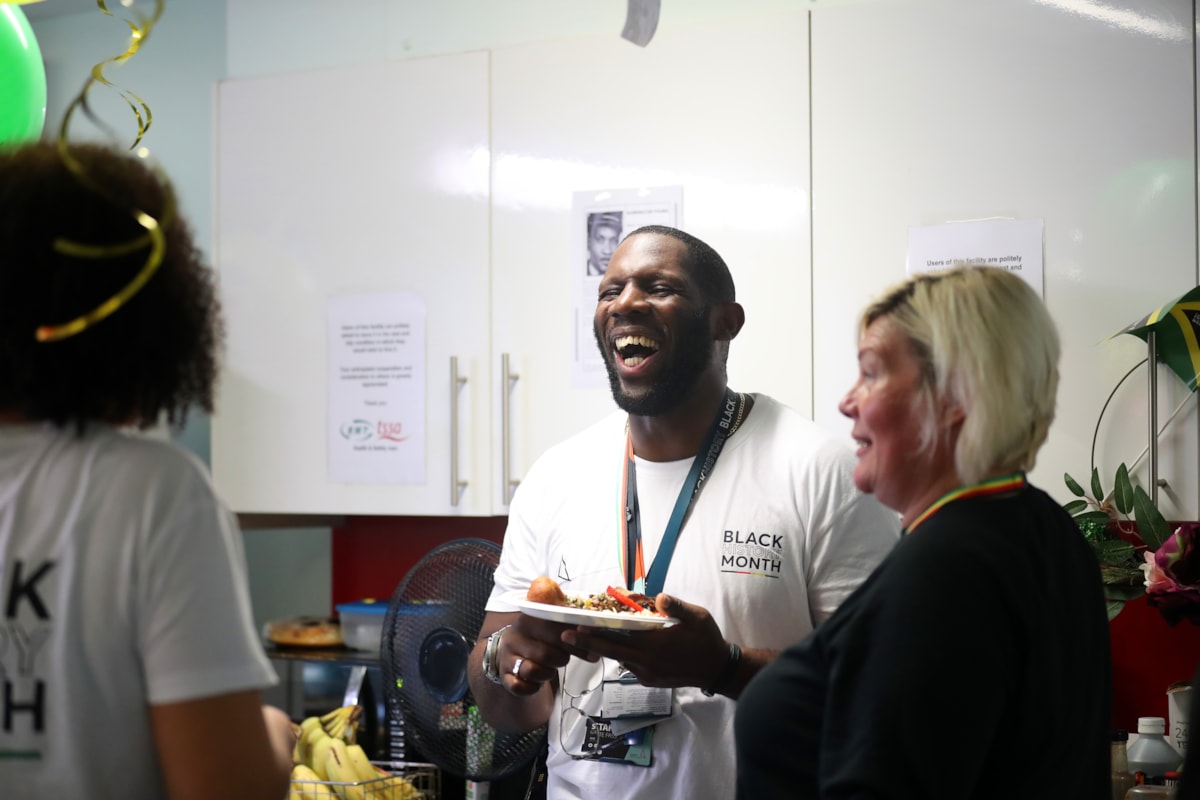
<point>677,378</point>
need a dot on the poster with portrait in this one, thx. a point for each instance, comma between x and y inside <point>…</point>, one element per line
<point>600,219</point>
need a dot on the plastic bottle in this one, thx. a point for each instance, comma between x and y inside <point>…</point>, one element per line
<point>1150,753</point>
<point>1122,778</point>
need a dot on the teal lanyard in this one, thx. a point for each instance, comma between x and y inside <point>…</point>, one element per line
<point>652,583</point>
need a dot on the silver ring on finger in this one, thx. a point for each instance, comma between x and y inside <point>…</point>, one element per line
<point>516,670</point>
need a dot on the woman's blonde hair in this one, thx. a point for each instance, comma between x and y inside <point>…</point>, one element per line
<point>987,344</point>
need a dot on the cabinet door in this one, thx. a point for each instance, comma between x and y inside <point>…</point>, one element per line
<point>364,180</point>
<point>720,110</point>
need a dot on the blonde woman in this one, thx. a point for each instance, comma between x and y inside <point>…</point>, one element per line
<point>974,662</point>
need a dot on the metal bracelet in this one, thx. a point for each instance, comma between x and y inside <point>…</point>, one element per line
<point>491,657</point>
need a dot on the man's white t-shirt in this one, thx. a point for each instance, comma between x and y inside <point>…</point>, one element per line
<point>777,537</point>
<point>123,585</point>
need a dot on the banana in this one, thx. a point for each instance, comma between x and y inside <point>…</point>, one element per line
<point>362,765</point>
<point>395,787</point>
<point>351,736</point>
<point>342,723</point>
<point>384,785</point>
<point>340,770</point>
<point>304,746</point>
<point>298,751</point>
<point>302,787</point>
<point>301,750</point>
<point>335,717</point>
<point>338,729</point>
<point>328,718</point>
<point>314,735</point>
<point>320,754</point>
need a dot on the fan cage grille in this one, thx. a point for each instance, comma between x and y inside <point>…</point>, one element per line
<point>448,588</point>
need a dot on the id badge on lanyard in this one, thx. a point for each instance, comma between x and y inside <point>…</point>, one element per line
<point>623,731</point>
<point>630,552</point>
<point>619,726</point>
<point>625,698</point>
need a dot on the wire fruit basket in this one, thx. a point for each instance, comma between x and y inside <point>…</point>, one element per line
<point>420,781</point>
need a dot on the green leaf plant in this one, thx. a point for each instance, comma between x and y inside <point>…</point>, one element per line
<point>1120,527</point>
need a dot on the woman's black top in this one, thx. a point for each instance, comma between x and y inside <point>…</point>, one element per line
<point>973,663</point>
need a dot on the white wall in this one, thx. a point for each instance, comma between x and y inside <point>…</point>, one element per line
<point>1074,112</point>
<point>321,34</point>
<point>1090,103</point>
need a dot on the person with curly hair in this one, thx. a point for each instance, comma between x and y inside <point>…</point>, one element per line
<point>133,667</point>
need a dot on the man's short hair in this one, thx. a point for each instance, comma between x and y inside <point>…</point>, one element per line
<point>702,262</point>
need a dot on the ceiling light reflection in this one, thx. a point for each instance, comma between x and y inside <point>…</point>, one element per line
<point>1124,19</point>
<point>530,182</point>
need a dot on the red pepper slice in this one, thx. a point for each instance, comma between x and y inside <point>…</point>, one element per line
<point>623,600</point>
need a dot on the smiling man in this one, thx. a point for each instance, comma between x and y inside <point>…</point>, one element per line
<point>736,513</point>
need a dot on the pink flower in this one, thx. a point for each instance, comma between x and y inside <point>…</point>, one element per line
<point>1173,575</point>
<point>1156,579</point>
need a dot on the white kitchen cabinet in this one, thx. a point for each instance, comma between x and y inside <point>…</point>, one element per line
<point>453,177</point>
<point>718,109</point>
<point>362,180</point>
<point>376,178</point>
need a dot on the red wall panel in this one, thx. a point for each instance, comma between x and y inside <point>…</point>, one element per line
<point>1148,656</point>
<point>371,555</point>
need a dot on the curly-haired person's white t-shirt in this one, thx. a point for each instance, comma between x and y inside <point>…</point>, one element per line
<point>122,585</point>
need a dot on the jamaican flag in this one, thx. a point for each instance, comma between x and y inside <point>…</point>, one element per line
<point>1176,327</point>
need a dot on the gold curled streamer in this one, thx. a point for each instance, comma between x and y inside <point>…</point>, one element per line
<point>54,333</point>
<point>139,33</point>
<point>154,236</point>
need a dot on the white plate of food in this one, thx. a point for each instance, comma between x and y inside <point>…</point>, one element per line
<point>568,615</point>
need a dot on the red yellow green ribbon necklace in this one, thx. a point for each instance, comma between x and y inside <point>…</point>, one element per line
<point>997,485</point>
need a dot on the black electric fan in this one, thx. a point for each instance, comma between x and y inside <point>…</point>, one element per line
<point>432,623</point>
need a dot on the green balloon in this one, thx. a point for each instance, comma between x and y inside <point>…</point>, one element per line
<point>22,78</point>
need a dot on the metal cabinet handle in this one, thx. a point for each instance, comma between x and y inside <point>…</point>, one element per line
<point>506,382</point>
<point>456,382</point>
